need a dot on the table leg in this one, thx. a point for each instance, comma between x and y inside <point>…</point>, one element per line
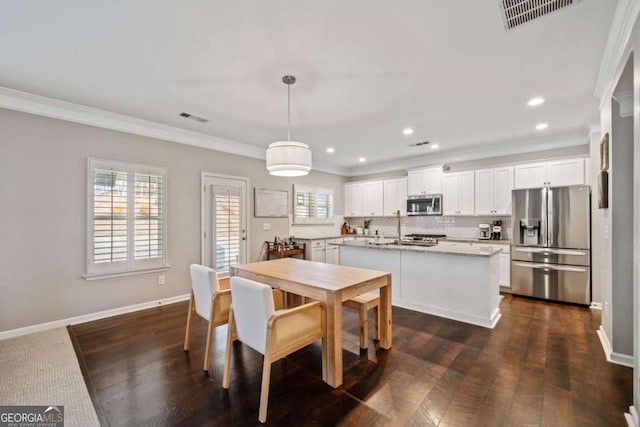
<point>385,315</point>
<point>334,341</point>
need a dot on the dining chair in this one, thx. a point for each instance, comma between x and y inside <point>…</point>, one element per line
<point>255,322</point>
<point>209,301</point>
<point>362,303</point>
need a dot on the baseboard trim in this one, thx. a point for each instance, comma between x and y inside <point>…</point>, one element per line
<point>91,317</point>
<point>632,417</point>
<point>596,305</point>
<point>613,357</point>
<point>454,315</point>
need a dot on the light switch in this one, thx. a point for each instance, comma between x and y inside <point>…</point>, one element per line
<point>266,226</point>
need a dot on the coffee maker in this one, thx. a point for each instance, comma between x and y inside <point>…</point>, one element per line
<point>497,230</point>
<point>485,231</point>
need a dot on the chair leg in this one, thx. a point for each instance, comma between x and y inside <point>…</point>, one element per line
<point>264,390</point>
<point>227,356</point>
<point>207,350</point>
<point>376,314</point>
<point>364,326</point>
<point>187,334</point>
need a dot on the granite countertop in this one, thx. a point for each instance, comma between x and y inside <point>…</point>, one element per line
<point>337,236</point>
<point>456,250</point>
<point>476,240</point>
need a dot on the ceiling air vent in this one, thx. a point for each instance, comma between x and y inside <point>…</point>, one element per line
<point>518,12</point>
<point>418,144</point>
<point>192,117</point>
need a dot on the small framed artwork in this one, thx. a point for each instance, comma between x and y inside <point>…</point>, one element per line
<point>604,153</point>
<point>603,190</point>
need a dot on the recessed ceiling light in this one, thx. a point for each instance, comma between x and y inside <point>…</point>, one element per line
<point>435,146</point>
<point>535,101</point>
<point>362,160</point>
<point>407,131</point>
<point>541,126</point>
<point>331,150</point>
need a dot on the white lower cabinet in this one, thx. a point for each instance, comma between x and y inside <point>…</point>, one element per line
<point>320,250</point>
<point>504,257</point>
<point>505,270</point>
<point>331,254</point>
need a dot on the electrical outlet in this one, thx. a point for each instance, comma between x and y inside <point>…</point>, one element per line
<point>266,226</point>
<point>160,280</point>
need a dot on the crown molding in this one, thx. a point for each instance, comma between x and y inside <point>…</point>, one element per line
<point>48,107</point>
<point>479,151</point>
<point>616,49</point>
<point>625,100</point>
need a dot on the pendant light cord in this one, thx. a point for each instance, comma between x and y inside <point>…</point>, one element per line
<point>289,112</point>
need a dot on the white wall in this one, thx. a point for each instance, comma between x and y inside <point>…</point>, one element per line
<point>43,184</point>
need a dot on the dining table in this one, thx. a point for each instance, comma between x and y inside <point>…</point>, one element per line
<point>330,284</point>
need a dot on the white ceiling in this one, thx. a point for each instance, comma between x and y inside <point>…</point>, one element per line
<point>365,69</point>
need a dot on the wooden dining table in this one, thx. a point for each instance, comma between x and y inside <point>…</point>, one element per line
<point>331,284</point>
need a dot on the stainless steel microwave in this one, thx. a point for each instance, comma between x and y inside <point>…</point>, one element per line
<point>424,204</point>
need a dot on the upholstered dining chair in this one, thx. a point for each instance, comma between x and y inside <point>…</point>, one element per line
<point>254,320</point>
<point>209,302</point>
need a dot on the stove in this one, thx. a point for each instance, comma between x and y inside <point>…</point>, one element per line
<point>422,239</point>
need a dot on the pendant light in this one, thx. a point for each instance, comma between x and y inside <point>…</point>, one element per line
<point>288,158</point>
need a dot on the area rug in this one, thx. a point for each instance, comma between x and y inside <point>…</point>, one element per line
<point>42,369</point>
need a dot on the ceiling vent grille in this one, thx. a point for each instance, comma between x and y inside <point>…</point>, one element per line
<point>192,117</point>
<point>418,144</point>
<point>518,12</point>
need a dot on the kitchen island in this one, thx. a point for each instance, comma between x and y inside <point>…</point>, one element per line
<point>456,282</point>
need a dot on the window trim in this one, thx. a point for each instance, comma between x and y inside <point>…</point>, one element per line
<point>131,266</point>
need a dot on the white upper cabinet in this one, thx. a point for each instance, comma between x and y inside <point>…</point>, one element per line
<point>372,198</point>
<point>554,173</point>
<point>424,181</point>
<point>353,199</point>
<point>493,191</point>
<point>458,193</point>
<point>395,196</point>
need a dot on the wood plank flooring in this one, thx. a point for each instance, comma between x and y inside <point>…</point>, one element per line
<point>541,366</point>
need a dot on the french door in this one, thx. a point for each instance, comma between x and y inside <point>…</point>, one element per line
<point>224,221</point>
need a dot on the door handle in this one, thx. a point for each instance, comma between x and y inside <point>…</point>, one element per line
<point>551,267</point>
<point>548,251</point>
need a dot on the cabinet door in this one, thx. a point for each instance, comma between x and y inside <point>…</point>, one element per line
<point>401,202</point>
<point>317,254</point>
<point>484,192</point>
<point>417,182</point>
<point>433,181</point>
<point>353,200</point>
<point>466,193</point>
<point>450,194</point>
<point>565,172</point>
<point>502,186</point>
<point>533,175</point>
<point>390,197</point>
<point>372,198</point>
<point>505,269</point>
<point>331,254</point>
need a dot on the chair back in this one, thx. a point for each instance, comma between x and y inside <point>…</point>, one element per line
<point>252,308</point>
<point>204,283</point>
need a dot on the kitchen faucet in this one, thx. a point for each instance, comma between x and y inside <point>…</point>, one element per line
<point>399,236</point>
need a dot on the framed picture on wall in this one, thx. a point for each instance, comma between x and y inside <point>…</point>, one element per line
<point>603,190</point>
<point>604,153</point>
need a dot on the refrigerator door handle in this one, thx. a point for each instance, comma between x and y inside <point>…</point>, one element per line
<point>550,251</point>
<point>543,216</point>
<point>551,267</point>
<point>550,214</point>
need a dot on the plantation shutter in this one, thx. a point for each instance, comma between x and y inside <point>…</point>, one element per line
<point>110,228</point>
<point>227,231</point>
<point>312,205</point>
<point>149,216</point>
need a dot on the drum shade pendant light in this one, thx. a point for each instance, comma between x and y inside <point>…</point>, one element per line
<point>288,158</point>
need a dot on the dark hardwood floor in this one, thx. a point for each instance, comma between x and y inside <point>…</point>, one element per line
<point>541,365</point>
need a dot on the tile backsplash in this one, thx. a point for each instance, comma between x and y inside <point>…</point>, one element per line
<point>453,226</point>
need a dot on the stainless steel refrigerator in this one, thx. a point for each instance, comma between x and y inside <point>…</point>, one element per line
<point>551,251</point>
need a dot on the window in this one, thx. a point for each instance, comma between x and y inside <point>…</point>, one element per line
<point>312,205</point>
<point>227,227</point>
<point>126,218</point>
